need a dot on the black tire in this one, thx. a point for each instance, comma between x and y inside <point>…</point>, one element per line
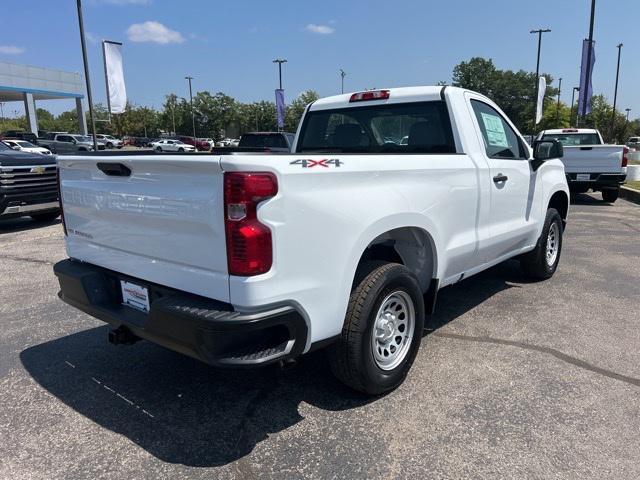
<point>109,145</point>
<point>535,263</point>
<point>45,217</point>
<point>159,149</point>
<point>181,149</point>
<point>610,195</point>
<point>352,356</point>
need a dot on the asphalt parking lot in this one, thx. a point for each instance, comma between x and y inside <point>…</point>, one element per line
<point>514,380</point>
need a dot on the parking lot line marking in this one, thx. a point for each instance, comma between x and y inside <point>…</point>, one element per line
<point>550,351</point>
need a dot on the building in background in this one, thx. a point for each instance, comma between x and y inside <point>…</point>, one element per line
<point>27,84</point>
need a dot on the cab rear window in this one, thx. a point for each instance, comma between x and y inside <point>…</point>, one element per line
<point>572,139</point>
<point>403,128</point>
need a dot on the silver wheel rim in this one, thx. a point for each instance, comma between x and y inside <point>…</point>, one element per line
<point>392,333</point>
<point>553,239</point>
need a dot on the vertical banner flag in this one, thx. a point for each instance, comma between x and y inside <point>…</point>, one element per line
<point>586,89</point>
<point>542,88</point>
<point>114,76</point>
<point>280,107</point>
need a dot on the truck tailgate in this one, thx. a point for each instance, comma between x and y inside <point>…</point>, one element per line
<point>163,223</point>
<point>593,159</point>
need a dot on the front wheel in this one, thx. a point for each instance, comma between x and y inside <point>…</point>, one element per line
<point>181,149</point>
<point>541,263</point>
<point>610,195</point>
<point>159,149</point>
<point>382,329</point>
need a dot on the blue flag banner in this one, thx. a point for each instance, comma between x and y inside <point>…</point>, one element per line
<point>586,90</point>
<point>280,107</point>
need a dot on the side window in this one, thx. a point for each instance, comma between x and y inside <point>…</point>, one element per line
<point>64,138</point>
<point>500,140</point>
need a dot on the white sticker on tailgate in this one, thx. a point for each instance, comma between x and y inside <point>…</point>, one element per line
<point>135,296</point>
<point>583,177</point>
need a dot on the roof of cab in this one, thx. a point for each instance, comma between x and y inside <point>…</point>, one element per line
<point>396,95</point>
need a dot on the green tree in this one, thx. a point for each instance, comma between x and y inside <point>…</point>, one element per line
<point>512,91</point>
<point>296,109</point>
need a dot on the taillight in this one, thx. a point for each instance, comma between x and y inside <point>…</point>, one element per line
<point>625,156</point>
<point>249,246</point>
<point>370,95</point>
<point>64,225</point>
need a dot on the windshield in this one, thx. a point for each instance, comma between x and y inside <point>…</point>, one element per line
<point>397,128</point>
<point>24,144</point>
<point>573,139</point>
<point>83,138</point>
<point>3,146</point>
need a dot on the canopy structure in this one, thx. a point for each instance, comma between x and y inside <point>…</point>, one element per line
<point>25,83</point>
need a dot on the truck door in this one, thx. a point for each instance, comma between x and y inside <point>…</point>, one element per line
<point>63,143</point>
<point>511,182</point>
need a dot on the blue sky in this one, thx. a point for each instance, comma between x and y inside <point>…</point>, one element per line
<point>228,46</point>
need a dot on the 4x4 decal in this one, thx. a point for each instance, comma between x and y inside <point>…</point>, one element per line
<point>326,162</point>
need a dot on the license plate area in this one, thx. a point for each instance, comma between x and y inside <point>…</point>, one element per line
<point>135,296</point>
<point>583,177</point>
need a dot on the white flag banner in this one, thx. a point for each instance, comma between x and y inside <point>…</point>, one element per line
<point>542,88</point>
<point>114,73</point>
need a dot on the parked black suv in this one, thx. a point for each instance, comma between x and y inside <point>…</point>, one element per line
<point>28,185</point>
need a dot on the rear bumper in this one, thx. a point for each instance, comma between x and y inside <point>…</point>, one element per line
<point>202,328</point>
<point>597,180</point>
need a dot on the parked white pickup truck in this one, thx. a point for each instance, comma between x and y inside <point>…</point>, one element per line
<point>250,259</point>
<point>589,163</point>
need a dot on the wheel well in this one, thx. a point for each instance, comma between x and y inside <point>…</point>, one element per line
<point>412,247</point>
<point>560,202</point>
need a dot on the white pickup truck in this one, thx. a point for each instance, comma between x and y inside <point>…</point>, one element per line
<point>242,260</point>
<point>589,163</point>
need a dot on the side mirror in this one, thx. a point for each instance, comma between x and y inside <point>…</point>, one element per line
<point>547,149</point>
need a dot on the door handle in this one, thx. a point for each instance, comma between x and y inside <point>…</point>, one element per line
<point>114,169</point>
<point>500,178</point>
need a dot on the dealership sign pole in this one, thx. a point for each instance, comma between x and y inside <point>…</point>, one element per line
<point>86,75</point>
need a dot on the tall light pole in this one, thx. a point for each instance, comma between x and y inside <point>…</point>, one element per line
<point>627,110</point>
<point>280,61</point>
<point>342,75</point>
<point>587,73</point>
<point>86,75</point>
<point>535,98</point>
<point>615,92</point>
<point>193,114</point>
<point>573,94</point>
<point>558,105</point>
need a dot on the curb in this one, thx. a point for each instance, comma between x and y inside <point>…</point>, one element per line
<point>630,194</point>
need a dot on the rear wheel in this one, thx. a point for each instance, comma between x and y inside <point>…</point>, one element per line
<point>541,263</point>
<point>382,329</point>
<point>610,195</point>
<point>45,217</point>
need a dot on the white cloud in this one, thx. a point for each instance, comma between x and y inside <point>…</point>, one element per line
<point>11,50</point>
<point>154,32</point>
<point>321,29</point>
<point>91,38</point>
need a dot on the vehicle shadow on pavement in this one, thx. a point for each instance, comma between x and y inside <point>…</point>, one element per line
<point>22,224</point>
<point>183,411</point>
<point>594,199</point>
<point>455,300</point>
<point>177,408</point>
